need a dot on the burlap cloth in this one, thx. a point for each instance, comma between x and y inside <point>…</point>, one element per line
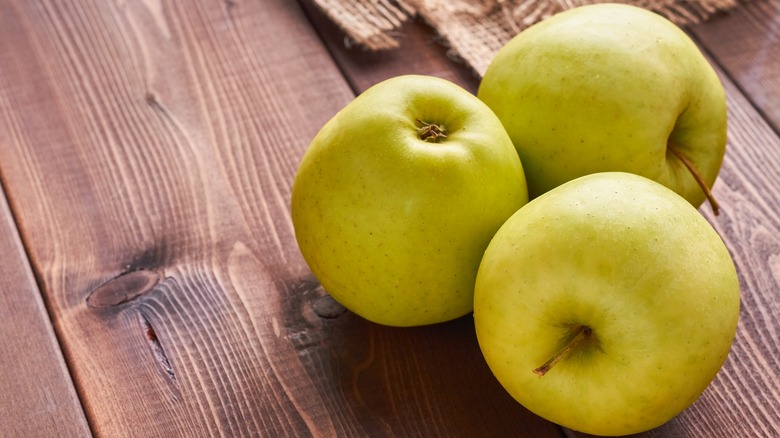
<point>476,29</point>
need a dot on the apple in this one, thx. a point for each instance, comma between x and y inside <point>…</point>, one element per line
<point>610,87</point>
<point>398,196</point>
<point>606,305</point>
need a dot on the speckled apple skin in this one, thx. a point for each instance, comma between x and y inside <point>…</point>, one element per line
<point>394,227</point>
<point>608,87</point>
<point>638,265</point>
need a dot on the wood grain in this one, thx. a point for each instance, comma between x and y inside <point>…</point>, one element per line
<point>150,155</point>
<point>746,43</point>
<point>150,165</point>
<point>38,397</point>
<point>742,401</point>
<point>164,142</point>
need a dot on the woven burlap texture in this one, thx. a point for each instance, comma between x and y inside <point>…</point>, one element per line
<point>475,29</point>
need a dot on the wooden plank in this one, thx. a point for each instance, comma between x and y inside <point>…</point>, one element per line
<point>746,43</point>
<point>742,401</point>
<point>150,165</point>
<point>38,397</point>
<point>152,171</point>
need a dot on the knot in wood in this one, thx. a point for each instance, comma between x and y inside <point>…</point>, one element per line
<point>328,308</point>
<point>123,288</point>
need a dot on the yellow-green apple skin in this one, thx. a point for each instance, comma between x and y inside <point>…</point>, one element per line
<point>608,87</point>
<point>639,267</point>
<point>392,225</point>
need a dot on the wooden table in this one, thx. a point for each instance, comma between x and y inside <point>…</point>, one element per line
<point>150,283</point>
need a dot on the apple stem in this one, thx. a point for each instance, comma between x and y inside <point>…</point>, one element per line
<point>430,132</point>
<point>698,178</point>
<point>583,334</point>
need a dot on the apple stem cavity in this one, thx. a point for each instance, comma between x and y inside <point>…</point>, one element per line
<point>582,336</point>
<point>698,178</point>
<point>431,132</point>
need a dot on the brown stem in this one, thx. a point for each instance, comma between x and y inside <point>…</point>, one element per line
<point>431,132</point>
<point>698,178</point>
<point>583,334</point>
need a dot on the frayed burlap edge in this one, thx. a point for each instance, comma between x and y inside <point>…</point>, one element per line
<point>370,23</point>
<point>476,29</point>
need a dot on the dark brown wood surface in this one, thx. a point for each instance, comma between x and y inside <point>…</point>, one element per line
<point>746,44</point>
<point>147,150</point>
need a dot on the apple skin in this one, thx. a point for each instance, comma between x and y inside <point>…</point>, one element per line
<point>640,267</point>
<point>607,87</point>
<point>393,226</point>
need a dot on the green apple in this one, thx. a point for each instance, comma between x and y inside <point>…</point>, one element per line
<point>398,196</point>
<point>606,305</point>
<point>610,87</point>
